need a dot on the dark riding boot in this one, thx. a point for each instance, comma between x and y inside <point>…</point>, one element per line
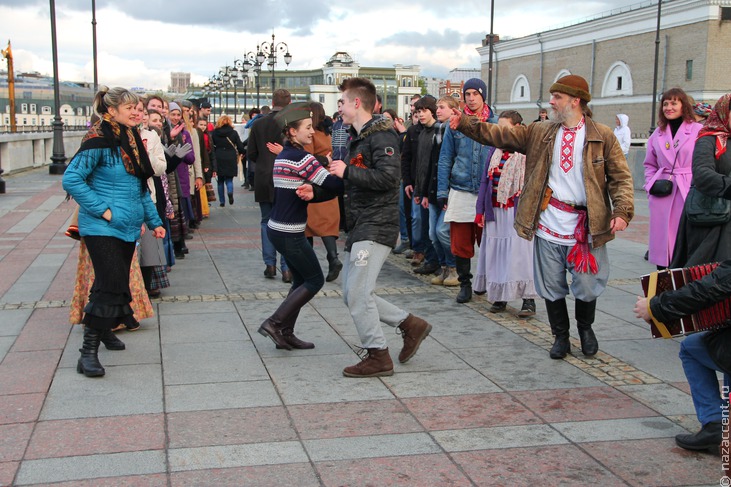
<point>274,326</point>
<point>88,363</point>
<point>585,311</point>
<point>288,332</point>
<point>110,340</point>
<point>558,317</point>
<point>335,266</point>
<point>465,279</point>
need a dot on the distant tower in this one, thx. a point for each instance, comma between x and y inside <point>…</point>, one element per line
<point>179,82</point>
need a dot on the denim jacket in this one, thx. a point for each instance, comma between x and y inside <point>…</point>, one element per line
<point>461,163</point>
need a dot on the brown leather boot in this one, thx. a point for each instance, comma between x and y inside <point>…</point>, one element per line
<point>294,342</point>
<point>377,363</point>
<point>414,330</point>
<point>417,259</point>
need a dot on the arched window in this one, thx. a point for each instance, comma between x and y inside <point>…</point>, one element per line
<point>561,74</point>
<point>618,81</point>
<point>521,89</point>
<point>329,79</point>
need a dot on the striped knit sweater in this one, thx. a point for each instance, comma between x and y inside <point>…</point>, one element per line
<point>292,167</point>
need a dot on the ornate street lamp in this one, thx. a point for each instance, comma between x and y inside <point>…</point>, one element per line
<point>250,62</point>
<point>267,51</point>
<point>93,43</point>
<point>225,80</point>
<point>58,158</point>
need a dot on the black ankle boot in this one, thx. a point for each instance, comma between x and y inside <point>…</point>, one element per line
<point>465,279</point>
<point>585,312</point>
<point>708,438</point>
<point>88,363</point>
<point>558,317</point>
<point>110,340</point>
<point>335,266</point>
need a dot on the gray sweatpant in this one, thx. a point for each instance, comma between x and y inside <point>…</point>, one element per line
<point>362,265</point>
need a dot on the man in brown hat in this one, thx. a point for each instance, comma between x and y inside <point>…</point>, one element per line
<point>578,193</point>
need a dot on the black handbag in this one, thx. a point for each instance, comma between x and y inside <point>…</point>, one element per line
<point>661,187</point>
<point>706,211</point>
<point>664,187</point>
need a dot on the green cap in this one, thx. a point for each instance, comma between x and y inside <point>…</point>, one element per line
<point>292,113</point>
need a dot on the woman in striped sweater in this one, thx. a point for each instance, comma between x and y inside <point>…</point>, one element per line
<point>294,167</point>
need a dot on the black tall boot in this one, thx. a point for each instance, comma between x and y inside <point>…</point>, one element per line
<point>88,363</point>
<point>110,340</point>
<point>585,312</point>
<point>274,326</point>
<point>465,279</point>
<point>558,317</point>
<point>332,258</point>
<point>288,332</point>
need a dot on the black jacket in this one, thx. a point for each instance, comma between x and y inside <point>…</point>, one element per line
<point>263,130</point>
<point>227,147</point>
<point>410,148</point>
<point>372,180</point>
<point>694,297</point>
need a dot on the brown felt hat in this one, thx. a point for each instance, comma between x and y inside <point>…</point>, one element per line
<point>572,85</point>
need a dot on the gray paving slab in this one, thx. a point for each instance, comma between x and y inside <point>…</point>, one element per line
<point>196,363</point>
<point>230,456</point>
<point>326,340</point>
<point>439,383</point>
<point>527,368</point>
<point>663,398</point>
<point>497,437</point>
<point>658,357</point>
<point>371,446</point>
<point>199,328</point>
<point>125,390</point>
<point>196,307</point>
<point>619,429</point>
<point>318,379</point>
<point>91,467</point>
<point>223,395</point>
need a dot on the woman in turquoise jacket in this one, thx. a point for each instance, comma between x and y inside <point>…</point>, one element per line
<point>107,178</point>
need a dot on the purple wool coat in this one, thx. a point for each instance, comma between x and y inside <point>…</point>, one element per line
<point>182,169</point>
<point>665,211</point>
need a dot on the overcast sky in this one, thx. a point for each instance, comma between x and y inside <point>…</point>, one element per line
<point>141,41</point>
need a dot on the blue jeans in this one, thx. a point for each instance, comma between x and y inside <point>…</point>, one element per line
<point>420,232</point>
<point>301,259</point>
<point>268,252</point>
<point>229,187</point>
<point>700,370</point>
<point>436,226</point>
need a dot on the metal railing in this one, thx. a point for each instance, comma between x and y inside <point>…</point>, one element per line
<point>25,129</point>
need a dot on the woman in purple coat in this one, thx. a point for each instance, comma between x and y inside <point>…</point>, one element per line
<point>669,156</point>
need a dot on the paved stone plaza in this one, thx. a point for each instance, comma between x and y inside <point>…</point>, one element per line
<point>199,398</point>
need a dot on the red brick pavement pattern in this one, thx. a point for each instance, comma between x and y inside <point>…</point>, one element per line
<point>413,470</point>
<point>7,472</point>
<point>13,440</point>
<point>293,474</point>
<point>15,263</point>
<point>563,465</point>
<point>155,480</point>
<point>27,372</point>
<point>469,411</point>
<point>229,427</point>
<point>21,408</point>
<point>363,418</point>
<point>62,286</point>
<point>46,329</point>
<point>656,462</point>
<point>93,436</point>
<point>583,404</point>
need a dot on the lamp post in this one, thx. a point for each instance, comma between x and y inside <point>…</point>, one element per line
<point>250,62</point>
<point>489,64</point>
<point>225,80</point>
<point>58,158</point>
<point>93,43</point>
<point>239,68</point>
<point>267,51</point>
<point>654,78</point>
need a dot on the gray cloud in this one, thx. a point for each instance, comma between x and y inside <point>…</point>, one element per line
<point>431,39</point>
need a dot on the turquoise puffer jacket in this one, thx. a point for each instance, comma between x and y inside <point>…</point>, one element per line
<point>97,180</point>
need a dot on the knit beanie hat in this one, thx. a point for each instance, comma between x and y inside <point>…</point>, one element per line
<point>572,85</point>
<point>475,84</point>
<point>174,106</point>
<point>292,113</point>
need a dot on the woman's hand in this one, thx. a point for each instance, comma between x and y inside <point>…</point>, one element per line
<point>425,203</point>
<point>274,148</point>
<point>107,215</point>
<point>159,232</point>
<point>143,229</point>
<point>454,119</point>
<point>175,131</point>
<point>305,192</point>
<point>337,168</point>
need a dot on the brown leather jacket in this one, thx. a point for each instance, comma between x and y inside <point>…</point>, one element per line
<point>607,178</point>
